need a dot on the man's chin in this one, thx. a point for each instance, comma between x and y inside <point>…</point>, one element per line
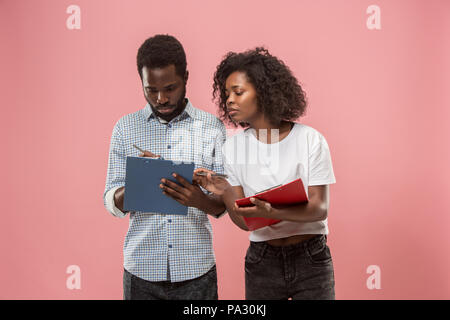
<point>166,111</point>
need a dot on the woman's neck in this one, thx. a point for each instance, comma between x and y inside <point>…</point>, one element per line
<point>270,130</point>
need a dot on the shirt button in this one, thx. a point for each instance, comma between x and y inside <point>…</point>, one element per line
<point>168,147</point>
<point>169,125</point>
<point>170,246</point>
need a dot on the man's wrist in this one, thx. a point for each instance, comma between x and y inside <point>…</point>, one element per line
<point>212,206</point>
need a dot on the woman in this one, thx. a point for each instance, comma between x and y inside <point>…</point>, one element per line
<point>289,259</point>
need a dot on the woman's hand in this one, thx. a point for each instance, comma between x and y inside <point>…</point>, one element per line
<point>216,185</point>
<point>260,209</point>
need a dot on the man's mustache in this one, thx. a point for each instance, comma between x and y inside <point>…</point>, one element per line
<point>166,106</point>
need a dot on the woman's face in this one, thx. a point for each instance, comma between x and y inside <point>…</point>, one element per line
<point>241,98</point>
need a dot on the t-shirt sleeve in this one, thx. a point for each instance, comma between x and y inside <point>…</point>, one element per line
<point>320,165</point>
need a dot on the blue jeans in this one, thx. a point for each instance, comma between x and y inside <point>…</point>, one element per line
<point>303,271</point>
<point>201,288</point>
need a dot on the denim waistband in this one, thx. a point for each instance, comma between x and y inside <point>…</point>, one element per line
<point>312,245</point>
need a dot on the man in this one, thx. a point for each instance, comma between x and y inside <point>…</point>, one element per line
<point>167,256</point>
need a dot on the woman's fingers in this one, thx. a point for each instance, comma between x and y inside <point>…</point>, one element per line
<point>203,177</point>
<point>261,204</point>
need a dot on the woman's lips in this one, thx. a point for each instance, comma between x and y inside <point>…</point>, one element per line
<point>232,112</point>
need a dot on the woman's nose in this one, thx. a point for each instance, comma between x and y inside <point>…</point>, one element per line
<point>230,101</point>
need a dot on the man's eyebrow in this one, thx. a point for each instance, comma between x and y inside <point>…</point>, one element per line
<point>169,85</point>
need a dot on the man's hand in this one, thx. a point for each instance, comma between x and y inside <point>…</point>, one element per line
<point>148,154</point>
<point>118,198</point>
<point>187,194</point>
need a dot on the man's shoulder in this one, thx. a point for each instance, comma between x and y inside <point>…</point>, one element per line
<point>131,118</point>
<point>208,117</point>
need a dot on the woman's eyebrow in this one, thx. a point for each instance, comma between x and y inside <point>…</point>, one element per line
<point>234,87</point>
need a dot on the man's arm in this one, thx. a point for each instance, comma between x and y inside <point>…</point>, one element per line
<point>110,204</point>
<point>213,205</point>
<point>190,195</point>
<point>115,177</point>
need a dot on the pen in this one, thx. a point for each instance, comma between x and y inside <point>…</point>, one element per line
<point>204,174</point>
<point>143,151</point>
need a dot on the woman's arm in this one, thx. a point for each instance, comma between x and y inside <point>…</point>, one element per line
<point>316,209</point>
<point>227,193</point>
<point>229,197</point>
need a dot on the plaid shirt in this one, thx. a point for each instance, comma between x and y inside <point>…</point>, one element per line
<point>159,245</point>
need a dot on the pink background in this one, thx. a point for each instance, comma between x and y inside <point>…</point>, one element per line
<point>380,97</point>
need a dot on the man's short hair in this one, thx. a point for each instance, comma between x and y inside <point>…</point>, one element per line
<point>161,51</point>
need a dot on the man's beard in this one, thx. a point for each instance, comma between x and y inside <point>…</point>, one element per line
<point>171,110</point>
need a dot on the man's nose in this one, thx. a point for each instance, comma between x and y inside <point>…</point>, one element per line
<point>162,98</point>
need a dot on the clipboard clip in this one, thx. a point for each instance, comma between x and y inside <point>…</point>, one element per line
<point>269,189</point>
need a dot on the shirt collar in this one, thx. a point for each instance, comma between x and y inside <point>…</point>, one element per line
<point>189,110</point>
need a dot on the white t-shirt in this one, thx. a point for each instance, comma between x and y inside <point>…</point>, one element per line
<point>257,166</point>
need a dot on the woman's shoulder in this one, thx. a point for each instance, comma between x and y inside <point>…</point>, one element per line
<point>310,134</point>
<point>303,129</point>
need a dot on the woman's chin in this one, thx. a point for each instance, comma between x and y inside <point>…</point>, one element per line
<point>236,118</point>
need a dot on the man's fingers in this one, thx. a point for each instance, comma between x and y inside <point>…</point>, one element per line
<point>148,154</point>
<point>172,185</point>
<point>172,193</point>
<point>181,180</point>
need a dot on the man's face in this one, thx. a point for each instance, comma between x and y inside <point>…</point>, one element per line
<point>165,91</point>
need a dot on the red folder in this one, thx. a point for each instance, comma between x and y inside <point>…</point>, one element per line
<point>287,194</point>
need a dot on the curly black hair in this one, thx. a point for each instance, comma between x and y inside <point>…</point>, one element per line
<point>279,95</point>
<point>161,51</point>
